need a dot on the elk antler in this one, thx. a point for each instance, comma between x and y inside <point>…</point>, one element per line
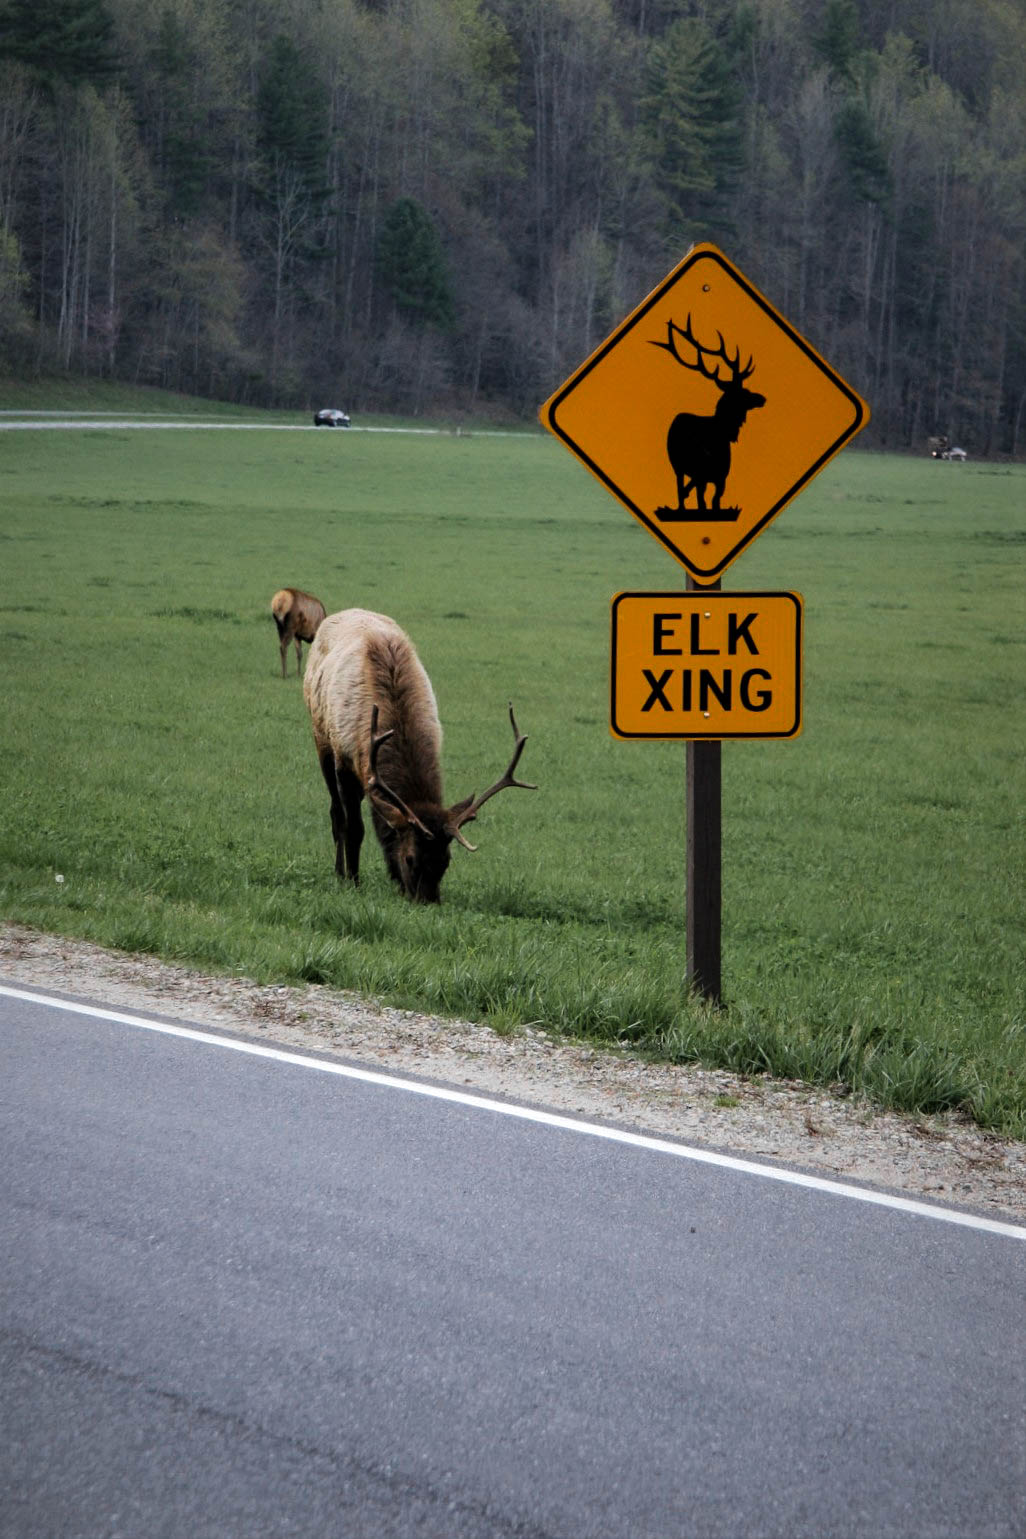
<point>376,786</point>
<point>466,814</point>
<point>737,374</point>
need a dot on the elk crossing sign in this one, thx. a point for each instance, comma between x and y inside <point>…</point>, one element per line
<point>705,412</point>
<point>706,665</point>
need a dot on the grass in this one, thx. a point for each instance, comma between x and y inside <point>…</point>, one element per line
<point>873,868</point>
<point>68,393</point>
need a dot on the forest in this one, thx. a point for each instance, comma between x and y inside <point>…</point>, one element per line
<point>444,205</point>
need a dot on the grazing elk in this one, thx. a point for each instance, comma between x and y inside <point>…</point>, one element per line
<point>699,447</point>
<point>377,733</point>
<point>297,616</point>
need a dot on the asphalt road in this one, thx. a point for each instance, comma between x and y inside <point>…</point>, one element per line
<point>243,1297</point>
<point>108,422</point>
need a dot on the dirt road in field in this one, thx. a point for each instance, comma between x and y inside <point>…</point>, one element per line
<point>946,1158</point>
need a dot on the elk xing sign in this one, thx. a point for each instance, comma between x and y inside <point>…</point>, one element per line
<point>705,412</point>
<point>706,665</point>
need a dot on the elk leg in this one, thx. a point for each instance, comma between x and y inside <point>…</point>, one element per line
<point>338,811</point>
<point>682,492</point>
<point>387,840</point>
<point>284,654</point>
<point>299,656</point>
<point>351,792</point>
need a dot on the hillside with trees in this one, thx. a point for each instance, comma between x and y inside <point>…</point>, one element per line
<point>414,204</point>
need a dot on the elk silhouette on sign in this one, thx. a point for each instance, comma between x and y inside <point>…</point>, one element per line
<point>699,447</point>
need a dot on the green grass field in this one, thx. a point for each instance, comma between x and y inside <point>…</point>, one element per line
<point>873,867</point>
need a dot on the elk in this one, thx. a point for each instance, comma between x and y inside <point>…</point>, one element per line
<point>377,734</point>
<point>297,616</point>
<point>699,447</point>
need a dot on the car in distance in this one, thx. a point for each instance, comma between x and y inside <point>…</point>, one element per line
<point>941,448</point>
<point>331,417</point>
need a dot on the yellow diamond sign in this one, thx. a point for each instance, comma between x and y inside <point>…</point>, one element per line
<point>705,412</point>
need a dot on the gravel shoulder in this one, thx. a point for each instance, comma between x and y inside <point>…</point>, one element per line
<point>946,1158</point>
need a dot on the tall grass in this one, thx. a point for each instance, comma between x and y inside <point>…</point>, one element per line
<point>874,867</point>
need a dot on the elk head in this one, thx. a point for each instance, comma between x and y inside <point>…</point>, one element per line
<point>416,843</point>
<point>736,401</point>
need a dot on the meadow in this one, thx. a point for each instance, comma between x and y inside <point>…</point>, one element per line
<point>160,794</point>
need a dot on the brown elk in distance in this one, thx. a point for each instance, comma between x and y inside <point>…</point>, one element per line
<point>297,616</point>
<point>377,734</point>
<point>699,447</point>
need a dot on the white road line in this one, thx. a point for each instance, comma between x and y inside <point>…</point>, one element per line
<point>189,425</point>
<point>117,425</point>
<point>529,1114</point>
<point>154,416</point>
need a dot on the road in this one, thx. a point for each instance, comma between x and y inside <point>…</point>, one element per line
<point>246,1295</point>
<point>108,422</point>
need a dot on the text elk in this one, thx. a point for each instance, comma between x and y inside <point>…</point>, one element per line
<point>377,734</point>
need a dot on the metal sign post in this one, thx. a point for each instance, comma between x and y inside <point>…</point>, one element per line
<point>703,901</point>
<point>705,412</point>
<point>701,666</point>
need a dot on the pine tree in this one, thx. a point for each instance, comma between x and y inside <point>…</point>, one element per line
<point>187,160</point>
<point>690,117</point>
<point>411,266</point>
<point>837,41</point>
<point>292,115</point>
<point>863,155</point>
<point>61,40</point>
